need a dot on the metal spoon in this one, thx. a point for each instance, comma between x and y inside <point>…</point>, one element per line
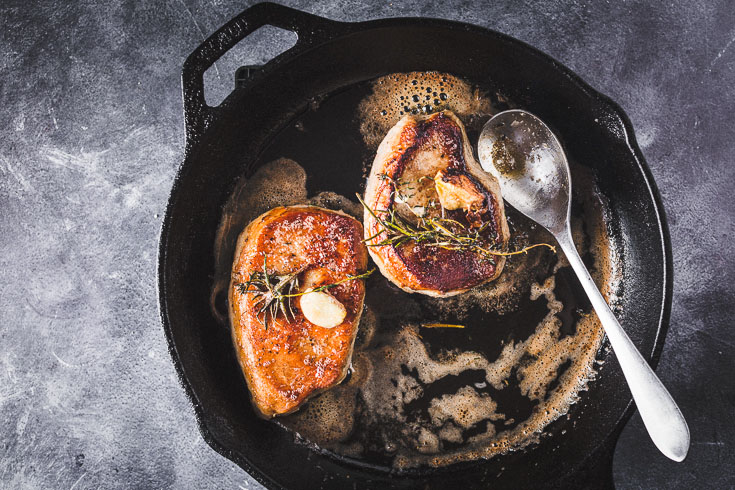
<point>531,167</point>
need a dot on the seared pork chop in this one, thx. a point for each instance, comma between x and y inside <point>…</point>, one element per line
<point>425,180</point>
<point>286,358</point>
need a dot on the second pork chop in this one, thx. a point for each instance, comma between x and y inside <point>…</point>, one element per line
<point>434,220</point>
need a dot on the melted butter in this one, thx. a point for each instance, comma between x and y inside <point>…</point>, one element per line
<point>507,159</point>
<point>400,94</point>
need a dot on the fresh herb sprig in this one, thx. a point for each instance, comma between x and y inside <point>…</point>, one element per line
<point>398,185</point>
<point>435,231</point>
<point>274,292</point>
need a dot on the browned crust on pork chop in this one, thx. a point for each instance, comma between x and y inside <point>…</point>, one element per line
<point>413,152</point>
<point>293,359</point>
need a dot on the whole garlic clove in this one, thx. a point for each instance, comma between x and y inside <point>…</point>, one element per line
<point>457,191</point>
<point>322,309</point>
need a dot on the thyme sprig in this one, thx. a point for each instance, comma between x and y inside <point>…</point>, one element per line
<point>274,292</point>
<point>436,231</point>
<point>399,184</point>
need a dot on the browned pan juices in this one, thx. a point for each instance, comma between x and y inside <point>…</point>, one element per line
<point>434,396</point>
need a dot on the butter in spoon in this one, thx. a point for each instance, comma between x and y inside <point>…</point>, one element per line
<point>527,159</point>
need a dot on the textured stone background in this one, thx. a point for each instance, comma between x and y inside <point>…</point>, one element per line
<point>91,134</point>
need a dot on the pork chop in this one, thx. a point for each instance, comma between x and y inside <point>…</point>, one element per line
<point>425,179</point>
<point>285,357</point>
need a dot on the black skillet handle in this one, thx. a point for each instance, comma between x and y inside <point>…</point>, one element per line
<point>309,29</point>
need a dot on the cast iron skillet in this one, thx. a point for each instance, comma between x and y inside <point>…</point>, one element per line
<point>223,143</point>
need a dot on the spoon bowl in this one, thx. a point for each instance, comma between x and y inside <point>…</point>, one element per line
<point>529,163</point>
<point>527,159</point>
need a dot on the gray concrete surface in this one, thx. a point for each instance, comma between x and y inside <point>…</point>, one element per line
<point>91,132</point>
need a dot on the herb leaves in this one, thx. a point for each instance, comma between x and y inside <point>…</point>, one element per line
<point>274,293</point>
<point>435,231</point>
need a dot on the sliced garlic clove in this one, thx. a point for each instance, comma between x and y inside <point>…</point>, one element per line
<point>322,309</point>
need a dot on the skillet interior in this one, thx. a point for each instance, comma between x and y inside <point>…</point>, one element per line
<point>598,137</point>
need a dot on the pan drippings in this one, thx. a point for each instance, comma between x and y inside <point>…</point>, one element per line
<point>434,396</point>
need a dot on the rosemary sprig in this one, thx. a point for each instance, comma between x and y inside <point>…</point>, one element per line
<point>274,292</point>
<point>436,231</point>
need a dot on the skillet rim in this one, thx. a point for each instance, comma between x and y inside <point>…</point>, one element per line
<point>342,29</point>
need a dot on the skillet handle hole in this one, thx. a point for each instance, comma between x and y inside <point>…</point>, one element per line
<point>264,44</point>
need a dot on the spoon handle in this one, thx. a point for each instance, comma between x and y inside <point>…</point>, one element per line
<point>663,419</point>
